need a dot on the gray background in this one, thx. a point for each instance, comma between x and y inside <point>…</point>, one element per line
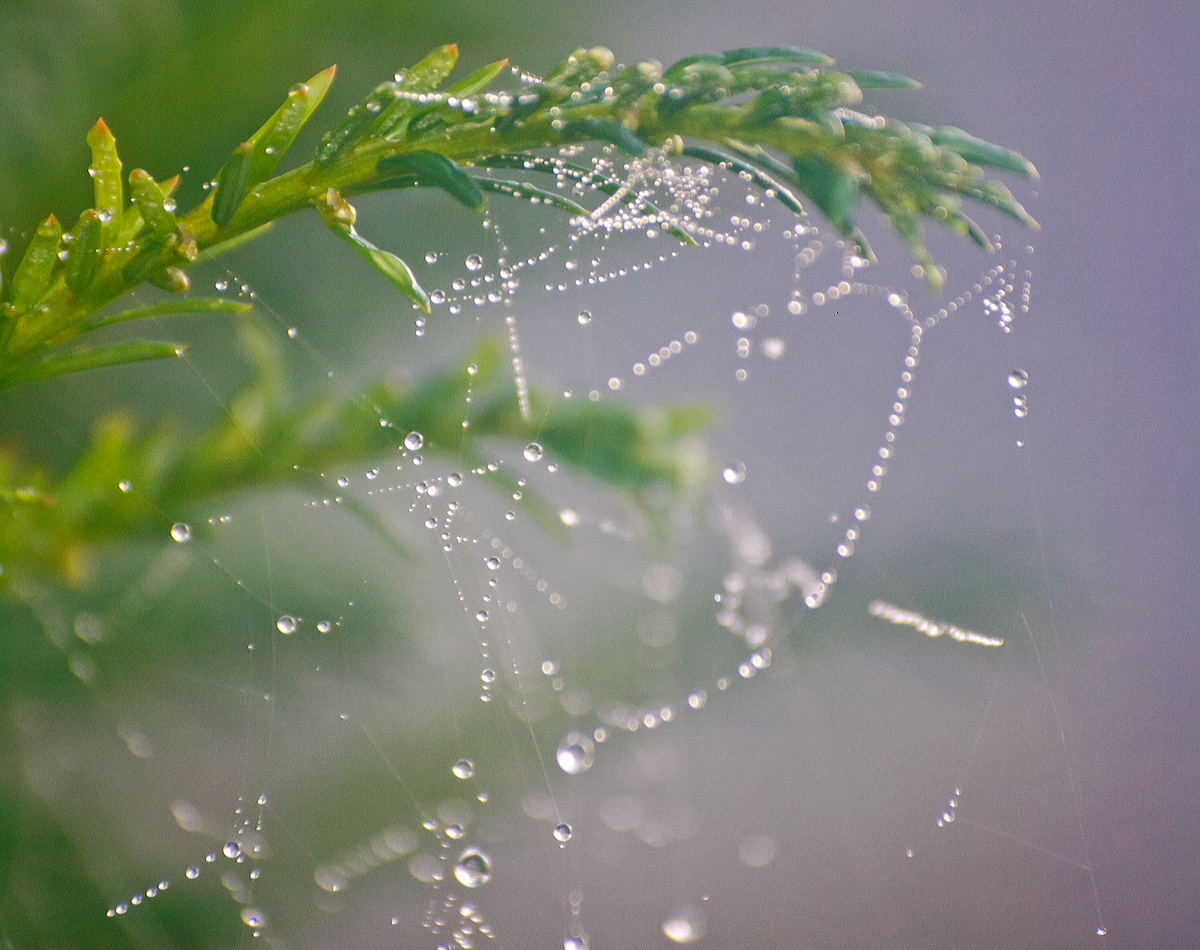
<point>838,754</point>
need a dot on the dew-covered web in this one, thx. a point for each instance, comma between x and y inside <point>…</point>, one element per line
<point>467,698</point>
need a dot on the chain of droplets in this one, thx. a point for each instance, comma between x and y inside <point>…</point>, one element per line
<point>251,846</point>
<point>750,576</point>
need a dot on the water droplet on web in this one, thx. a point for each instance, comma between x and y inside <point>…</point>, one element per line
<point>431,257</point>
<point>474,262</point>
<point>1018,379</point>
<point>686,925</point>
<point>481,616</point>
<point>413,441</point>
<point>585,317</point>
<point>492,563</point>
<point>463,768</point>
<point>455,832</point>
<point>124,485</point>
<point>562,833</point>
<point>181,531</point>
<point>533,452</point>
<point>488,676</point>
<point>286,624</point>
<point>231,849</point>
<point>343,482</point>
<point>192,873</point>
<point>574,754</point>
<point>734,474</point>
<point>473,868</point>
<point>575,943</point>
<point>454,479</point>
<point>1020,407</point>
<point>253,917</point>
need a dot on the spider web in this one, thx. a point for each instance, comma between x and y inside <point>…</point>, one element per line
<point>811,695</point>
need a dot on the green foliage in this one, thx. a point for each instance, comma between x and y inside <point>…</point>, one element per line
<point>779,116</point>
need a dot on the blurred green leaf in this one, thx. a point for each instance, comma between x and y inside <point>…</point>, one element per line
<point>477,80</point>
<point>871,79</point>
<point>527,192</point>
<point>430,168</point>
<point>106,180</point>
<point>231,184</point>
<point>168,308</point>
<point>830,188</point>
<point>83,252</point>
<point>761,55</point>
<point>338,216</point>
<point>153,201</point>
<point>276,135</point>
<point>56,364</point>
<point>32,277</point>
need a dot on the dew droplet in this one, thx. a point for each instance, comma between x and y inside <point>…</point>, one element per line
<point>253,917</point>
<point>492,563</point>
<point>431,257</point>
<point>734,474</point>
<point>231,849</point>
<point>576,943</point>
<point>181,531</point>
<point>463,768</point>
<point>474,262</point>
<point>574,754</point>
<point>1018,379</point>
<point>454,479</point>
<point>473,868</point>
<point>286,624</point>
<point>324,626</point>
<point>533,452</point>
<point>562,833</point>
<point>482,616</point>
<point>686,925</point>
<point>413,441</point>
<point>192,873</point>
<point>488,676</point>
<point>585,317</point>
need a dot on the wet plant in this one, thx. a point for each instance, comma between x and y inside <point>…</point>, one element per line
<point>781,119</point>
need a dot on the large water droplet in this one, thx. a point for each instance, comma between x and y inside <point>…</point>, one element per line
<point>253,917</point>
<point>1018,379</point>
<point>492,563</point>
<point>413,441</point>
<point>585,317</point>
<point>286,624</point>
<point>562,833</point>
<point>181,531</point>
<point>574,753</point>
<point>231,849</point>
<point>463,768</point>
<point>474,262</point>
<point>734,474</point>
<point>533,452</point>
<point>576,943</point>
<point>686,925</point>
<point>473,868</point>
<point>488,676</point>
<point>454,479</point>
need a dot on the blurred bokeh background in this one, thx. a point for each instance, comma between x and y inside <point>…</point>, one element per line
<point>844,752</point>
